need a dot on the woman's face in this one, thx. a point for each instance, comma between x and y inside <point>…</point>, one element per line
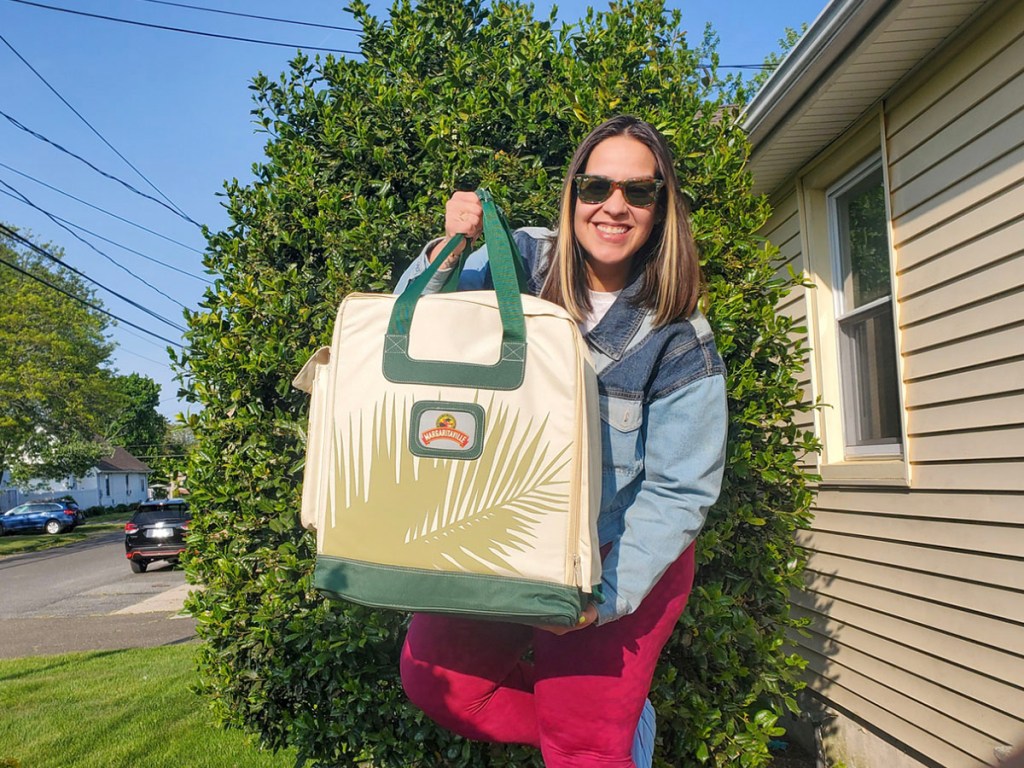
<point>612,232</point>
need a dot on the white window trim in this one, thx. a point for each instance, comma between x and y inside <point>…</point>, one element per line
<point>858,150</point>
<point>840,312</point>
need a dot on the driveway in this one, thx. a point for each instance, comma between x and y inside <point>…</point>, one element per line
<point>84,597</point>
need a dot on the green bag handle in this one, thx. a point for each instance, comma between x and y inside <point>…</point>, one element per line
<point>509,279</point>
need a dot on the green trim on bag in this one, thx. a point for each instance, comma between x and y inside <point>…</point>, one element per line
<point>508,373</point>
<point>509,283</point>
<point>496,598</point>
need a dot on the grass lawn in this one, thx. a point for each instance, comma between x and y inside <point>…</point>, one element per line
<point>115,708</point>
<point>17,543</point>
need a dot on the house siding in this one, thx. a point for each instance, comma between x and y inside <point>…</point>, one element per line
<point>915,595</point>
<point>783,231</point>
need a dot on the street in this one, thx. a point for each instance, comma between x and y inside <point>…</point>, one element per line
<point>84,597</point>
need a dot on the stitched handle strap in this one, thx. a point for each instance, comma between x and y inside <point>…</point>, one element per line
<point>509,280</point>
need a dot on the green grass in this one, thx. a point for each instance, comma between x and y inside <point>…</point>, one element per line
<point>17,543</point>
<point>115,708</point>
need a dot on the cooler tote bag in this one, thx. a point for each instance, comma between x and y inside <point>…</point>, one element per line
<point>453,454</point>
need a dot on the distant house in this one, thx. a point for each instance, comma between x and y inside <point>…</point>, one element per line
<point>891,144</point>
<point>118,479</point>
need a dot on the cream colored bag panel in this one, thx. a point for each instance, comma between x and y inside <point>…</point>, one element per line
<point>504,513</point>
<point>313,379</point>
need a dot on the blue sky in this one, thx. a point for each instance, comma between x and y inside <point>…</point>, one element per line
<point>177,106</point>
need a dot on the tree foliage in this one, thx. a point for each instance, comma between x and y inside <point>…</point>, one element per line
<point>137,425</point>
<point>360,158</point>
<point>55,386</point>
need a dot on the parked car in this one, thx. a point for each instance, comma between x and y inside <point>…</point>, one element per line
<point>156,532</point>
<point>51,516</point>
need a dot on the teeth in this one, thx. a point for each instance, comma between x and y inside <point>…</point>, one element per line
<point>612,230</point>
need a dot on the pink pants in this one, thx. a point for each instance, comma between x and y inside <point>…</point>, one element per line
<point>578,701</point>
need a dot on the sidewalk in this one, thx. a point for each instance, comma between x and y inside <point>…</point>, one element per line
<point>152,622</point>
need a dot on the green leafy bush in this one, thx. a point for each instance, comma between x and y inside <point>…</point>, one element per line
<point>360,158</point>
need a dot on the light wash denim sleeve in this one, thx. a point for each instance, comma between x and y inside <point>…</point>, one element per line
<point>684,459</point>
<point>473,278</point>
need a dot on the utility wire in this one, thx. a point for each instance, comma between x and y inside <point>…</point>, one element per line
<point>253,16</point>
<point>109,258</point>
<point>187,31</point>
<point>129,352</point>
<point>54,217</point>
<point>144,339</point>
<point>80,300</point>
<point>101,210</point>
<point>43,252</point>
<point>92,127</point>
<point>21,126</point>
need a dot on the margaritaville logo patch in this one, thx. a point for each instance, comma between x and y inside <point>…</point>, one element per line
<point>446,428</point>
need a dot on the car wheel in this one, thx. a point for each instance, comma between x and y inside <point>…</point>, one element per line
<point>138,566</point>
<point>3,531</point>
<point>52,527</point>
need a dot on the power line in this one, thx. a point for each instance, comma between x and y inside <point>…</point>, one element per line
<point>43,252</point>
<point>101,210</point>
<point>54,217</point>
<point>186,31</point>
<point>80,300</point>
<point>17,124</point>
<point>253,16</point>
<point>150,359</point>
<point>102,253</point>
<point>91,127</point>
<point>142,338</point>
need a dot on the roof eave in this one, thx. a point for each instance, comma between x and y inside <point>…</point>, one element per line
<point>815,54</point>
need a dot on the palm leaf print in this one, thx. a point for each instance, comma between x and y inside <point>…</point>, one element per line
<point>440,513</point>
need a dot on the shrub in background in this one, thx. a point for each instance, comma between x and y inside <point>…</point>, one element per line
<point>360,158</point>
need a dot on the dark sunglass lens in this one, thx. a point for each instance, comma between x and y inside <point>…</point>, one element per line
<point>593,189</point>
<point>640,193</point>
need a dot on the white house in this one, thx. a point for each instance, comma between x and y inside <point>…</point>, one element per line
<point>118,479</point>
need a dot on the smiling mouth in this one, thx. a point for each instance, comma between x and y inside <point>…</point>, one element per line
<point>612,229</point>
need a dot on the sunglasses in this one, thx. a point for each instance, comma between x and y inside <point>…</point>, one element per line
<point>640,193</point>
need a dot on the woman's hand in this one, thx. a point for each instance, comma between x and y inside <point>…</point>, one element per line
<point>463,215</point>
<point>589,617</point>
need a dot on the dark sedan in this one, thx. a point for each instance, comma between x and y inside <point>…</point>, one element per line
<point>156,532</point>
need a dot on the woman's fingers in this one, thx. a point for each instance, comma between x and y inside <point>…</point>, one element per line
<point>464,215</point>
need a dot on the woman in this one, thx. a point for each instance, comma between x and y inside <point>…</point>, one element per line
<point>624,264</point>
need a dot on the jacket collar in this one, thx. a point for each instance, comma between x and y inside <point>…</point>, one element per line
<point>611,336</point>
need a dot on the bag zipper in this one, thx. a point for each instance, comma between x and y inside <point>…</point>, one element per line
<point>581,467</point>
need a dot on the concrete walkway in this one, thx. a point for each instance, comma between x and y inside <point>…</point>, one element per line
<point>152,622</point>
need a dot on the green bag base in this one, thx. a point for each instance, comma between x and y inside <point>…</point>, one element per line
<point>518,601</point>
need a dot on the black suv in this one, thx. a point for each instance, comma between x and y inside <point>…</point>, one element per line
<point>156,532</point>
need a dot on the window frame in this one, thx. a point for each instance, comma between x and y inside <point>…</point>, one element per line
<point>849,390</point>
<point>859,148</point>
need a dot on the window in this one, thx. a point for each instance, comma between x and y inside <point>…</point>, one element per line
<point>869,376</point>
<point>107,479</point>
<point>853,310</point>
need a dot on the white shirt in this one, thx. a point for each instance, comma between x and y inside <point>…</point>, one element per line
<point>600,303</point>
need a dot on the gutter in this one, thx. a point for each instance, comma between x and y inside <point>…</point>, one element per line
<point>824,44</point>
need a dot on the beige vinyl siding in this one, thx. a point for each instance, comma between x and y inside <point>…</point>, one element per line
<point>783,231</point>
<point>916,595</point>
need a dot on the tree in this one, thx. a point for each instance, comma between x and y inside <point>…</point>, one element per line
<point>138,426</point>
<point>747,88</point>
<point>361,156</point>
<point>54,386</point>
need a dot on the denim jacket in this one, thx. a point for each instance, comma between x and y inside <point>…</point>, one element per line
<point>663,427</point>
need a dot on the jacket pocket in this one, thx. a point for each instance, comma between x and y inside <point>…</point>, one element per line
<point>621,448</point>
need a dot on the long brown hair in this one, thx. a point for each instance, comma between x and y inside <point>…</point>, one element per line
<point>669,261</point>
